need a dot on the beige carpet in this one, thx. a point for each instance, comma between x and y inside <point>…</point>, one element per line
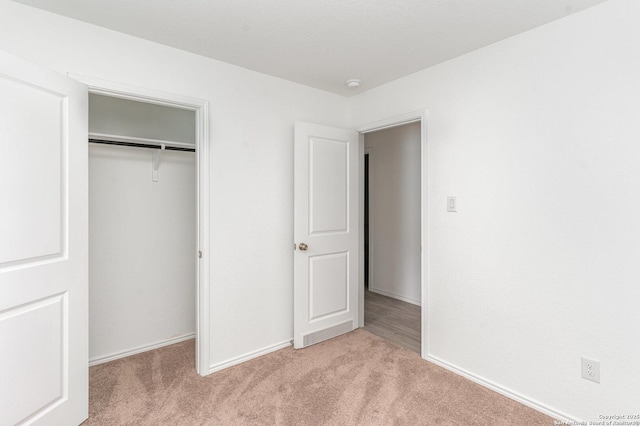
<point>355,379</point>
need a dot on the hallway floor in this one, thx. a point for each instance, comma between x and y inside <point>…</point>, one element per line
<point>392,319</point>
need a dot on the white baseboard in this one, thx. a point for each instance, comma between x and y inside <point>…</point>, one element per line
<point>246,357</point>
<point>504,391</point>
<point>394,296</point>
<point>140,349</point>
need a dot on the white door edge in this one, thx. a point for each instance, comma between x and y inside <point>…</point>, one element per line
<point>399,120</point>
<point>201,110</point>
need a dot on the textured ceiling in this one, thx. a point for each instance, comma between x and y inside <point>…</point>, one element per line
<point>321,43</point>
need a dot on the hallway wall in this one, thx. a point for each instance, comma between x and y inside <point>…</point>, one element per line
<point>394,212</point>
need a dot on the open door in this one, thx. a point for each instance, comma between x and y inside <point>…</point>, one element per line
<point>325,233</point>
<point>43,246</point>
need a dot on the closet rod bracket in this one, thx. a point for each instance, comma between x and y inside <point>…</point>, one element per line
<point>156,163</point>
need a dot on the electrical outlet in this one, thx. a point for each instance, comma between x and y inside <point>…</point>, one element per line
<point>590,370</point>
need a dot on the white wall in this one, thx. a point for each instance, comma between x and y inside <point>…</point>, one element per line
<point>394,211</point>
<point>251,155</point>
<point>142,249</point>
<point>537,136</point>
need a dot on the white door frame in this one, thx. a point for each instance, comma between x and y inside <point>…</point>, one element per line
<point>201,109</point>
<point>395,121</point>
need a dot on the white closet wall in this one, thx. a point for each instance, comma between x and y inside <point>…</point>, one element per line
<point>142,120</point>
<point>142,234</point>
<point>394,212</point>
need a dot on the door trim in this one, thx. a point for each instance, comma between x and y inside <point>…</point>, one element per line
<point>399,120</point>
<point>201,110</point>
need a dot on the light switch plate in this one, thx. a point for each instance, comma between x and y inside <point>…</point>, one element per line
<point>452,204</point>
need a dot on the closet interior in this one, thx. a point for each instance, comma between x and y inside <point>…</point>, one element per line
<point>142,226</point>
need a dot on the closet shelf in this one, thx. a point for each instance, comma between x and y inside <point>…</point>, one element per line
<point>101,138</point>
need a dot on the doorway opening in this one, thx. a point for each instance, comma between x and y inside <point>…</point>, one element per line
<point>199,190</point>
<point>142,227</point>
<point>392,222</point>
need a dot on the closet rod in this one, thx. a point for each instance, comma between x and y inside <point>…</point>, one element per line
<point>111,139</point>
<point>141,145</point>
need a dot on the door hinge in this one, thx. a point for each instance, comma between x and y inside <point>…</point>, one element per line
<point>199,254</point>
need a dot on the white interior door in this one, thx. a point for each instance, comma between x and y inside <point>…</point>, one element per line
<point>325,233</point>
<point>43,246</point>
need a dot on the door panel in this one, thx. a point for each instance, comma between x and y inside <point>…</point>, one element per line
<point>326,222</point>
<point>43,254</point>
<point>35,359</point>
<point>328,186</point>
<point>38,148</point>
<point>328,285</point>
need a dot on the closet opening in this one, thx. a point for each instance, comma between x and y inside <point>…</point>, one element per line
<point>143,226</point>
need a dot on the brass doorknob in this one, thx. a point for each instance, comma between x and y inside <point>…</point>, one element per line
<point>303,246</point>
